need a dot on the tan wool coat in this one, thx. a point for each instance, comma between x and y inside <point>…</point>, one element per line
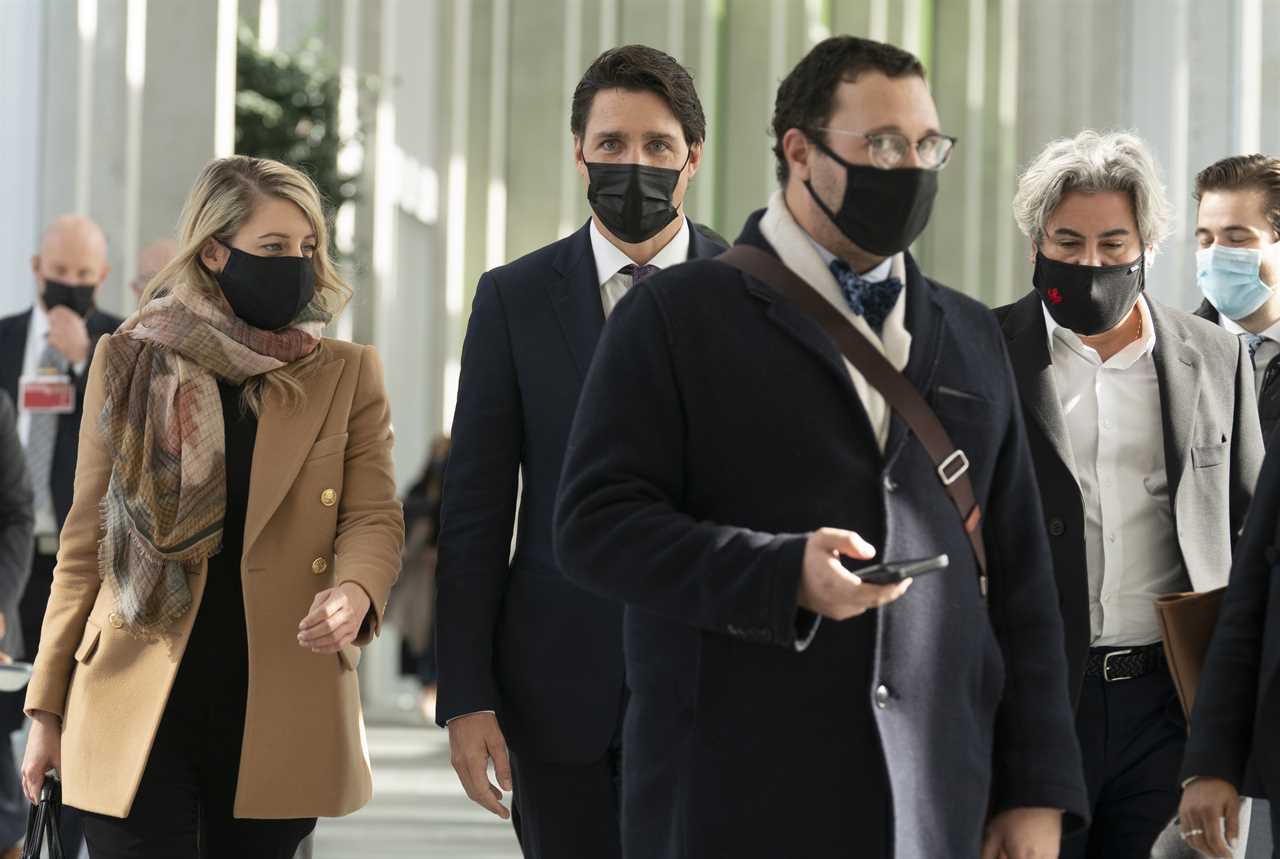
<point>322,511</point>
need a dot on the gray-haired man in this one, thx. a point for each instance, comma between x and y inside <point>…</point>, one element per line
<point>1144,430</point>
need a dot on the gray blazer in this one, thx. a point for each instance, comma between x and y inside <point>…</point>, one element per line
<point>16,523</point>
<point>1212,444</point>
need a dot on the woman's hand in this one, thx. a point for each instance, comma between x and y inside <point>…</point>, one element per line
<point>335,619</point>
<point>44,752</point>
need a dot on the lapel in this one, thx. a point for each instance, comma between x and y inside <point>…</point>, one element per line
<point>801,328</point>
<point>1179,378</point>
<point>281,446</point>
<point>575,295</point>
<point>701,246</point>
<point>927,324</point>
<point>1032,367</point>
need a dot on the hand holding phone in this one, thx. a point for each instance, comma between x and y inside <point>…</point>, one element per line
<point>827,588</point>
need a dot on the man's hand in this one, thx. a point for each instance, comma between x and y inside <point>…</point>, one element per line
<point>828,589</point>
<point>473,740</point>
<point>69,335</point>
<point>1205,804</point>
<point>1024,833</point>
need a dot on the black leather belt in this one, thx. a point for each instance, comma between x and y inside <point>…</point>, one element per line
<point>1124,663</point>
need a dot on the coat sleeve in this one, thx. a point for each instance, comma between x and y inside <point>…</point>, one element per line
<point>1222,723</point>
<point>1037,760</point>
<point>620,529</point>
<point>75,578</point>
<point>478,510</point>
<point>16,517</point>
<point>370,520</point>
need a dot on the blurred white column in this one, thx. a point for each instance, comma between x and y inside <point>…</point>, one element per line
<point>21,141</point>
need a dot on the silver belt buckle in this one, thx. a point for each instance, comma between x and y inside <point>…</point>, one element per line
<point>953,467</point>
<point>1106,666</point>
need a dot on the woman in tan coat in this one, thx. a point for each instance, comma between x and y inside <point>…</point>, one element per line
<point>233,539</point>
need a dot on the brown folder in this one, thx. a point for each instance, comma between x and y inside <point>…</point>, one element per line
<point>1186,624</point>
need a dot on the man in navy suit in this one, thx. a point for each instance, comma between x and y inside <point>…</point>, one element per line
<point>530,665</point>
<point>725,455</point>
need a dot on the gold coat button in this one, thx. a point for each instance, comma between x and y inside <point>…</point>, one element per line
<point>116,620</point>
<point>319,565</point>
<point>328,498</point>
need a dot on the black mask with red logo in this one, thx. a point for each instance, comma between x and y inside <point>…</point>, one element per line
<point>1089,299</point>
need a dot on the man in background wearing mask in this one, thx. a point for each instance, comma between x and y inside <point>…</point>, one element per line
<point>1238,264</point>
<point>525,657</point>
<point>1144,431</point>
<point>44,359</point>
<point>724,457</point>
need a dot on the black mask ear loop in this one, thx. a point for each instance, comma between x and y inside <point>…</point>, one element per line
<point>826,150</point>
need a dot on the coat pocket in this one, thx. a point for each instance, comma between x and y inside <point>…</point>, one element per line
<point>1208,455</point>
<point>326,446</point>
<point>88,643</point>
<point>349,657</point>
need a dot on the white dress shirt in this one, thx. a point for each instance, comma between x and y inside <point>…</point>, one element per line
<point>1268,349</point>
<point>800,253</point>
<point>610,261</point>
<point>1113,416</point>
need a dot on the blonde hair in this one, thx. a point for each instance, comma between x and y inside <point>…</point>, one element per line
<point>225,195</point>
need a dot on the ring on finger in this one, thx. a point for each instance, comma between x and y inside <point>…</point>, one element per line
<point>1190,833</point>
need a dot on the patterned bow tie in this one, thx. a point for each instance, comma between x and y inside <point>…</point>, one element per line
<point>1252,341</point>
<point>871,301</point>
<point>639,272</point>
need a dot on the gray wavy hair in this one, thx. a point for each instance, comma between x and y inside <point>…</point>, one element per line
<point>1092,162</point>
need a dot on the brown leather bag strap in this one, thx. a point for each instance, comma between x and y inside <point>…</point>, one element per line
<point>951,464</point>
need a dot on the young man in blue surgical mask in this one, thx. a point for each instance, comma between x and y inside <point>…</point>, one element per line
<point>1238,264</point>
<point>531,672</point>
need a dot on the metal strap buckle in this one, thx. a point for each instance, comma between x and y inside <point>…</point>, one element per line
<point>1106,666</point>
<point>953,467</point>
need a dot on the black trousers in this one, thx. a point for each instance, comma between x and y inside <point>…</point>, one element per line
<point>183,808</point>
<point>1132,735</point>
<point>563,811</point>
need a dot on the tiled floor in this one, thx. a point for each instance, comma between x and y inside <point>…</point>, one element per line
<point>418,808</point>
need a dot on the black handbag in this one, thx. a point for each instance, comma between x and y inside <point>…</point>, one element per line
<point>43,823</point>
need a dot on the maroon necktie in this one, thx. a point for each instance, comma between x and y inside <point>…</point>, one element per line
<point>639,272</point>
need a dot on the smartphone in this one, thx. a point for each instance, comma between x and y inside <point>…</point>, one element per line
<point>892,572</point>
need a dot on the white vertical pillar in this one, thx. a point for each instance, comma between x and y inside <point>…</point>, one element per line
<point>22,29</point>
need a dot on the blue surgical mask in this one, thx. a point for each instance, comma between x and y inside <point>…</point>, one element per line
<point>1230,279</point>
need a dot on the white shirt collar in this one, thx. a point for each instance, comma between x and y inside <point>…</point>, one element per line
<point>610,259</point>
<point>875,275</point>
<point>39,322</point>
<point>1229,324</point>
<point>1125,358</point>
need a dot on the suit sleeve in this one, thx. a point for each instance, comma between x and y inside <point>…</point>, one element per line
<point>1037,760</point>
<point>620,529</point>
<point>1222,726</point>
<point>478,510</point>
<point>370,521</point>
<point>16,517</point>
<point>75,578</point>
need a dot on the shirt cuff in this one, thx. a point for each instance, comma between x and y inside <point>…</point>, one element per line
<point>465,715</point>
<point>804,637</point>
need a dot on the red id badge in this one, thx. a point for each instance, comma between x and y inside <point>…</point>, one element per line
<point>47,395</point>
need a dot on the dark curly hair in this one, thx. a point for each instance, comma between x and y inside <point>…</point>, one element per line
<point>640,68</point>
<point>805,96</point>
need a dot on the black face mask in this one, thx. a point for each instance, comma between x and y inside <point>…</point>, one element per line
<point>633,200</point>
<point>883,211</point>
<point>1088,299</point>
<point>77,298</point>
<point>267,292</point>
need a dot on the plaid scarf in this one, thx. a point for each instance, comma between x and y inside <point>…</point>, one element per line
<point>162,421</point>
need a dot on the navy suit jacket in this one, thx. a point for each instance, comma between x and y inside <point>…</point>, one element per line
<point>718,428</point>
<point>13,347</point>
<point>513,634</point>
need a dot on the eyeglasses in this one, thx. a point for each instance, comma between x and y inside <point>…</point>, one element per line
<point>888,148</point>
